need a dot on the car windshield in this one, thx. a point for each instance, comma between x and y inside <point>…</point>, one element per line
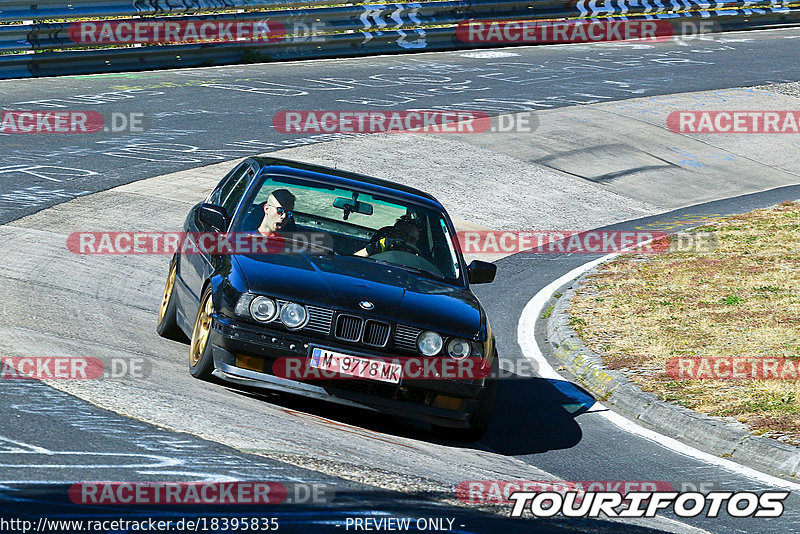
<point>358,225</point>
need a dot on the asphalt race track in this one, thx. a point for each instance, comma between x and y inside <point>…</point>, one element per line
<point>542,429</point>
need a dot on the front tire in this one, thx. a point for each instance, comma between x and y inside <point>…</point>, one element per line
<point>479,422</point>
<point>167,325</point>
<point>201,361</point>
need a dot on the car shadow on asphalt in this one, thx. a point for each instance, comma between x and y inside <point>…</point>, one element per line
<point>533,415</point>
<point>530,415</point>
<point>344,418</point>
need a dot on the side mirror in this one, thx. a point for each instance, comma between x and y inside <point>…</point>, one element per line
<point>213,217</point>
<point>481,272</point>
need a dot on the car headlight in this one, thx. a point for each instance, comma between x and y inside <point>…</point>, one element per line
<point>243,305</point>
<point>293,315</point>
<point>263,309</point>
<point>459,348</point>
<point>429,343</point>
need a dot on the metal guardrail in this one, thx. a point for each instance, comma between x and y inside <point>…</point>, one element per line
<point>325,20</point>
<point>337,30</point>
<point>19,10</point>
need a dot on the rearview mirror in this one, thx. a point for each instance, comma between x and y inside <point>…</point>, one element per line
<point>214,217</point>
<point>349,206</point>
<point>481,272</point>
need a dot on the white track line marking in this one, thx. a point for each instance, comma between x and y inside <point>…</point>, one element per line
<point>530,349</point>
<point>20,447</point>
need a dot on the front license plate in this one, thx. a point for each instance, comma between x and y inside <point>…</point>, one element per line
<point>356,366</point>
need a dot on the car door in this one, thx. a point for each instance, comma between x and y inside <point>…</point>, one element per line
<point>198,267</point>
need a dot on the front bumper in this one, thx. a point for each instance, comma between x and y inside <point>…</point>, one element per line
<point>416,399</point>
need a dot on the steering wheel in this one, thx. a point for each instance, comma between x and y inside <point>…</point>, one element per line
<point>398,245</point>
<point>402,246</point>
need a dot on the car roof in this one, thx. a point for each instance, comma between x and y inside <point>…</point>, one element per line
<point>347,179</point>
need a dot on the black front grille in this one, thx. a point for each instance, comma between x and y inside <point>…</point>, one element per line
<point>405,338</point>
<point>319,320</point>
<point>348,328</point>
<point>376,333</point>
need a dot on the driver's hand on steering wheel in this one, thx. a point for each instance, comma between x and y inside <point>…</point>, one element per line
<point>391,243</point>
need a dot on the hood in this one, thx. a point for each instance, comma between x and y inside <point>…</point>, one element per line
<point>341,282</point>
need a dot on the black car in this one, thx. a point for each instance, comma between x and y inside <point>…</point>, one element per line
<point>367,272</point>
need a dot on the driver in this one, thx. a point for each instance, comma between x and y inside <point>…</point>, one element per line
<point>402,236</point>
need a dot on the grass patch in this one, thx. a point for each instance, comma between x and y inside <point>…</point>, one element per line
<point>733,300</point>
<point>577,321</point>
<point>742,299</point>
<point>548,312</point>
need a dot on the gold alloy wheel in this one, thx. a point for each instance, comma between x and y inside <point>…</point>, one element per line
<point>167,291</point>
<point>202,327</point>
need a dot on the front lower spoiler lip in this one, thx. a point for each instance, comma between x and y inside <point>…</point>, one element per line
<point>247,377</point>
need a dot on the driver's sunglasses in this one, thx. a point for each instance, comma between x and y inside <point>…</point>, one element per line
<point>289,213</point>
